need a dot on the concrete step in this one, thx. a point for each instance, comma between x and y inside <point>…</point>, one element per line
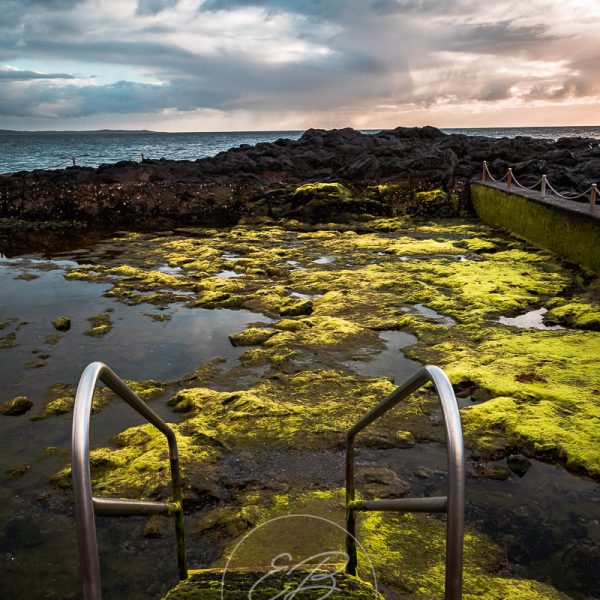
<point>310,584</point>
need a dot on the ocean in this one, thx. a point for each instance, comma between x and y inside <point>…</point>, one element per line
<point>25,151</point>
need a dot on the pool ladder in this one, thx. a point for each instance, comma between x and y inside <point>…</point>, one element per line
<point>87,506</point>
<point>453,504</point>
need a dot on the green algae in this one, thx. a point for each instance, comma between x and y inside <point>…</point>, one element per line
<point>60,398</point>
<point>252,336</point>
<point>383,267</point>
<point>206,584</point>
<point>309,409</point>
<point>99,325</point>
<point>62,324</point>
<point>579,315</point>
<point>321,193</point>
<point>136,465</point>
<point>543,390</point>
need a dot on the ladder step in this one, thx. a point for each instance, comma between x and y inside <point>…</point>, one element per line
<point>433,504</point>
<point>131,508</point>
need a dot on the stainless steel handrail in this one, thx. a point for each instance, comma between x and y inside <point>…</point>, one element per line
<point>453,504</point>
<point>86,506</point>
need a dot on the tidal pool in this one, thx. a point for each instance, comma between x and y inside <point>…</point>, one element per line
<point>314,328</point>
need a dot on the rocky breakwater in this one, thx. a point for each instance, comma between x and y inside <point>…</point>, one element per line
<point>321,175</point>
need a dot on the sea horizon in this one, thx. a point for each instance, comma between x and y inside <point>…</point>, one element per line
<point>55,149</point>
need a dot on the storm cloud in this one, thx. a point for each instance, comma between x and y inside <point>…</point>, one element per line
<point>357,62</point>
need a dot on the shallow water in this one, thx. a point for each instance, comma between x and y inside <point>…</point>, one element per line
<point>37,532</point>
<point>390,362</point>
<point>534,319</point>
<point>428,313</point>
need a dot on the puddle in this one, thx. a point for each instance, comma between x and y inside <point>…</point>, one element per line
<point>325,260</point>
<point>295,264</point>
<point>428,313</point>
<point>176,271</point>
<point>304,296</point>
<point>228,274</point>
<point>534,319</point>
<point>231,257</point>
<point>391,362</point>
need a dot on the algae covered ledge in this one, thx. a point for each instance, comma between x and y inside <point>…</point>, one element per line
<point>325,299</point>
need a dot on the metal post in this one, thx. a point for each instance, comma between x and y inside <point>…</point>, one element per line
<point>593,196</point>
<point>484,171</point>
<point>544,184</point>
<point>82,487</point>
<point>509,177</point>
<point>453,504</point>
<point>178,500</point>
<point>85,504</point>
<point>350,513</point>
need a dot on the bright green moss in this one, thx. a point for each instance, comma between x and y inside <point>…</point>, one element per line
<point>252,336</point>
<point>99,325</point>
<point>137,463</point>
<point>581,315</point>
<point>574,236</point>
<point>60,398</point>
<point>382,268</point>
<point>322,193</point>
<point>310,409</point>
<point>430,196</point>
<point>544,389</point>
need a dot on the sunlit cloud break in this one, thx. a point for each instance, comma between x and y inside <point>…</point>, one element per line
<point>276,64</point>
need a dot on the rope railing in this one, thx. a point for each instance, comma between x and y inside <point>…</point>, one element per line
<point>544,184</point>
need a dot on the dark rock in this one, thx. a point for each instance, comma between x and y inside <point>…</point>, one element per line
<point>380,482</point>
<point>296,308</point>
<point>423,473</point>
<point>482,470</point>
<point>62,324</point>
<point>518,464</point>
<point>464,388</point>
<point>225,187</point>
<point>16,406</point>
<point>17,471</point>
<point>158,527</point>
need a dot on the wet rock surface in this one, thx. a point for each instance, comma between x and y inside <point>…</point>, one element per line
<point>16,406</point>
<point>267,179</point>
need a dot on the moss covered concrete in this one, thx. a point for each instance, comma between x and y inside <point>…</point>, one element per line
<point>207,584</point>
<point>407,552</point>
<point>571,234</point>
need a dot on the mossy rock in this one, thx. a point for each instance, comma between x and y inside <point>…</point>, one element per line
<point>62,324</point>
<point>207,585</point>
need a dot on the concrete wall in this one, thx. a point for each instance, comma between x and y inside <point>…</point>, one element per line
<point>565,227</point>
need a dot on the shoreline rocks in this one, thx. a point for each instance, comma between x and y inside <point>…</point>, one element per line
<point>264,179</point>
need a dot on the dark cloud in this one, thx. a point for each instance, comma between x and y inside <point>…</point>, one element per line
<point>18,75</point>
<point>294,55</point>
<point>330,8</point>
<point>493,38</point>
<point>153,7</point>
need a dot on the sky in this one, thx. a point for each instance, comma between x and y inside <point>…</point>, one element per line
<point>235,65</point>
